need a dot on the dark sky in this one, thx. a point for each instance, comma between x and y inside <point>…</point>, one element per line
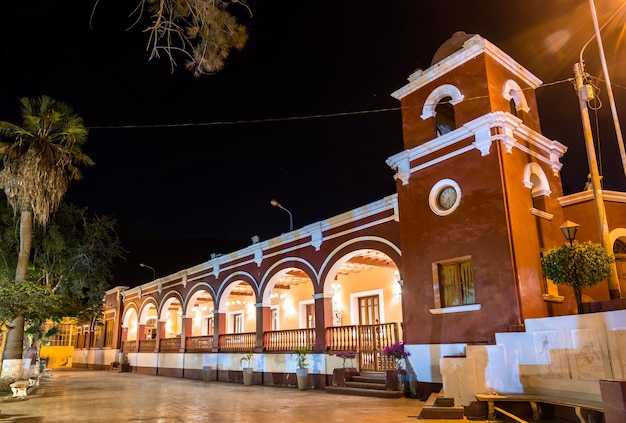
<point>302,114</point>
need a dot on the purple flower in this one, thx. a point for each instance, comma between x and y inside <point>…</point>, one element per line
<point>396,350</point>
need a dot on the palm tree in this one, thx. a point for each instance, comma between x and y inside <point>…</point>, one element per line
<point>39,161</point>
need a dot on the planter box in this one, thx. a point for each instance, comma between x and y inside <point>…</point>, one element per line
<point>340,376</point>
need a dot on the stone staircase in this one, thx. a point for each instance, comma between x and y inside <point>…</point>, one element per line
<point>366,384</point>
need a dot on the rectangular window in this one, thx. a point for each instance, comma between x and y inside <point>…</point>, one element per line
<point>238,322</point>
<point>550,290</point>
<point>210,326</point>
<point>95,335</point>
<point>64,337</point>
<point>274,318</point>
<point>108,333</point>
<point>310,316</point>
<point>454,283</point>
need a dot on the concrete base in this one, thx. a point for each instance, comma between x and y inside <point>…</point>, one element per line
<point>614,400</point>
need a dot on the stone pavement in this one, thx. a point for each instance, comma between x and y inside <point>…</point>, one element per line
<point>80,395</point>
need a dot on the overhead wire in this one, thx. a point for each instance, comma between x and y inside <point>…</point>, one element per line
<point>290,118</point>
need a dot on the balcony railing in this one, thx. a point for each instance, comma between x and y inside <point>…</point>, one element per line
<point>288,340</point>
<point>237,342</point>
<point>199,343</point>
<point>129,346</point>
<point>367,340</point>
<point>147,345</point>
<point>170,345</point>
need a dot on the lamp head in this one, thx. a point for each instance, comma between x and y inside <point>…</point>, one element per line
<point>569,229</point>
<point>275,203</point>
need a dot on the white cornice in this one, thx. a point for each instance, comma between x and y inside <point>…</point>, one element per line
<point>310,235</point>
<point>480,128</point>
<point>583,196</point>
<point>472,48</point>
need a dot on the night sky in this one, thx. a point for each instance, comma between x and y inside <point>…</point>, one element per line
<point>303,113</point>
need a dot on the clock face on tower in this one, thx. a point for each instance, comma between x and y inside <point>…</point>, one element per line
<point>444,197</point>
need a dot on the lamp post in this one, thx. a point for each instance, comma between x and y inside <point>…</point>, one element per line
<point>277,204</point>
<point>569,229</point>
<point>149,267</point>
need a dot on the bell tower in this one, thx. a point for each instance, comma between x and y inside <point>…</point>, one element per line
<point>477,194</point>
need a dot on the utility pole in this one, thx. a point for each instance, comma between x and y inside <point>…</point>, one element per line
<point>609,87</point>
<point>585,94</point>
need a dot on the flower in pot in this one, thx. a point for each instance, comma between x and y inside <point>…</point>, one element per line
<point>248,368</point>
<point>395,378</point>
<point>302,372</point>
<point>398,352</point>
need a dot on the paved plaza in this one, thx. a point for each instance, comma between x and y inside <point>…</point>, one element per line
<point>79,395</point>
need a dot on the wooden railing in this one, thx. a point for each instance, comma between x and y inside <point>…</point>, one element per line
<point>287,340</point>
<point>342,338</point>
<point>199,343</point>
<point>129,346</point>
<point>368,341</point>
<point>237,342</point>
<point>170,344</point>
<point>147,345</point>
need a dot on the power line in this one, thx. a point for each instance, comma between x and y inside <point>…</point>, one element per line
<point>285,119</point>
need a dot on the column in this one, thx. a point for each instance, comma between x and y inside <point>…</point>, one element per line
<point>263,324</point>
<point>220,328</point>
<point>323,318</point>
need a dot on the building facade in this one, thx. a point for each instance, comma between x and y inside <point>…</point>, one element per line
<point>448,263</point>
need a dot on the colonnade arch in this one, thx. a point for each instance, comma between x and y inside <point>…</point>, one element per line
<point>199,309</point>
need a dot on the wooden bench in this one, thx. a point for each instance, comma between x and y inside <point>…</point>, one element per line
<point>19,388</point>
<point>535,400</point>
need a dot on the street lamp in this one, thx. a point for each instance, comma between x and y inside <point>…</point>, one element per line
<point>277,204</point>
<point>149,267</point>
<point>569,229</point>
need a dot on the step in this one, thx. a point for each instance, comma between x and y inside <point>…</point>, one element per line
<point>452,413</point>
<point>377,393</point>
<point>368,379</point>
<point>439,407</point>
<point>366,385</point>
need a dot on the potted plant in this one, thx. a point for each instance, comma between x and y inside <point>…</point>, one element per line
<point>248,368</point>
<point>302,371</point>
<point>395,378</point>
<point>398,352</point>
